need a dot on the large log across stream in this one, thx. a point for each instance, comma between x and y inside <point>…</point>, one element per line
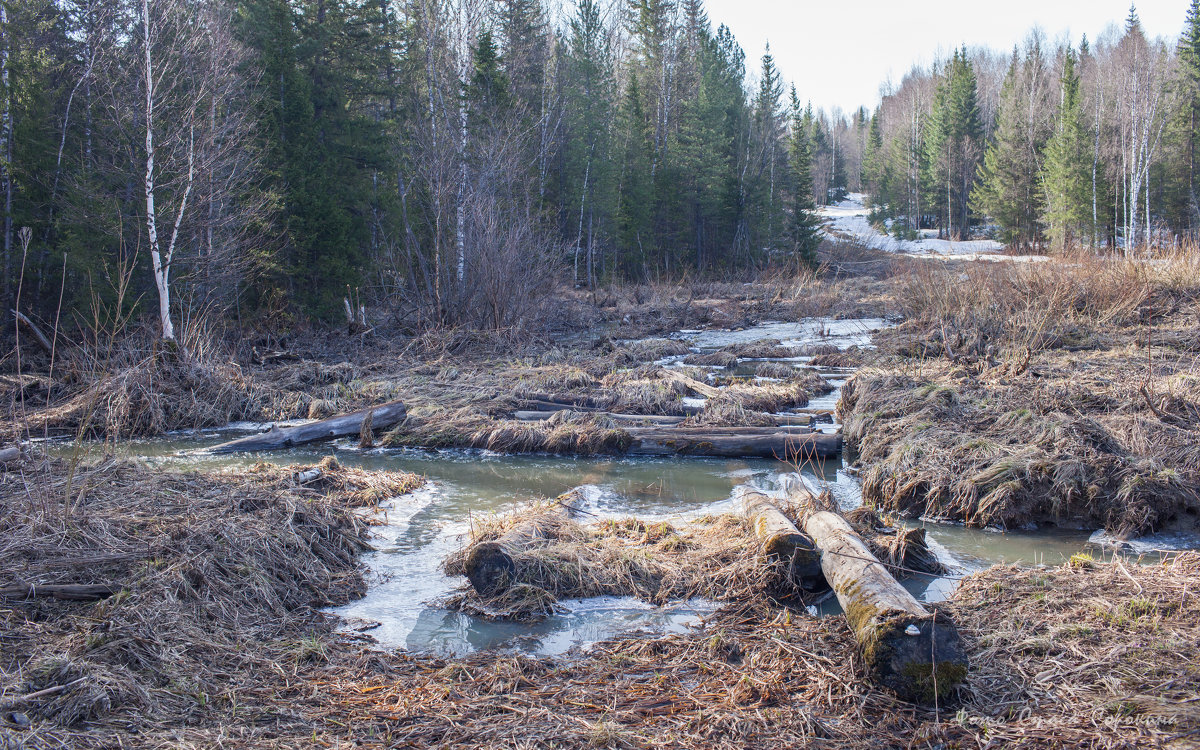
<point>766,443</point>
<point>906,648</point>
<point>344,425</point>
<point>782,542</point>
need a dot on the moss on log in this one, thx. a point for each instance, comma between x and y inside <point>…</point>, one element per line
<point>915,653</point>
<point>783,543</point>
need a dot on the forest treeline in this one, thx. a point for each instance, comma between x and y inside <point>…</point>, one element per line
<point>1045,149</point>
<point>449,160</point>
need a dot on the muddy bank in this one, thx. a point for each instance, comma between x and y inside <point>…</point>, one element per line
<point>213,638</point>
<point>1077,406</point>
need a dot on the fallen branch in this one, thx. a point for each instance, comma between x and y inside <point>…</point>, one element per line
<point>79,592</point>
<point>37,334</point>
<point>346,425</point>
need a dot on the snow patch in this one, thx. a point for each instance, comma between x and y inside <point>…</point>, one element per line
<point>848,221</point>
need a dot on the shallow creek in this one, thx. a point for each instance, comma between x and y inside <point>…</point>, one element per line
<point>401,608</point>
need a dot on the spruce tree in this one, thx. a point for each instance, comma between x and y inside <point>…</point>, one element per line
<point>1008,188</point>
<point>765,187</point>
<point>635,201</point>
<point>1066,176</point>
<point>1188,120</point>
<point>953,144</point>
<point>805,224</point>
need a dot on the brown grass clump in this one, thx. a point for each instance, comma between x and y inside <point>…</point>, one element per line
<point>1006,455</point>
<point>777,370</point>
<point>1062,393</point>
<point>216,580</point>
<point>772,397</point>
<point>717,558</point>
<point>650,350</point>
<point>712,359</point>
<point>961,310</point>
<point>851,357</point>
<point>153,396</point>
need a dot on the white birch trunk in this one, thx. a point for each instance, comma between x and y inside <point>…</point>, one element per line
<point>162,270</point>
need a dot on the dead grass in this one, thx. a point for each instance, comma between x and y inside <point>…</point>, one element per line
<point>1028,394</point>
<point>1069,657</point>
<point>214,642</point>
<point>715,558</point>
<point>218,581</point>
<point>770,396</point>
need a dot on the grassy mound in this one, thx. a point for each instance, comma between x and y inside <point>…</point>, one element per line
<point>217,577</point>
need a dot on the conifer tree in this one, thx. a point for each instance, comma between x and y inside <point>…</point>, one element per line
<point>953,144</point>
<point>805,227</point>
<point>587,159</point>
<point>635,203</point>
<point>765,185</point>
<point>1188,120</point>
<point>1066,177</point>
<point>1008,188</point>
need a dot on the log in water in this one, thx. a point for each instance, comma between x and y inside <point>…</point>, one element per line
<point>345,425</point>
<point>491,567</point>
<point>767,443</point>
<point>784,543</point>
<point>915,653</point>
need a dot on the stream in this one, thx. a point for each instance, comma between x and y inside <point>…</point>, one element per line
<point>401,608</point>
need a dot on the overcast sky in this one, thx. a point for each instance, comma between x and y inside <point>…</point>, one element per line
<point>837,53</point>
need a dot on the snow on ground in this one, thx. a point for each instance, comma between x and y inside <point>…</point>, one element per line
<point>848,221</point>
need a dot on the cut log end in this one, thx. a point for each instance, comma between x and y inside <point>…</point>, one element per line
<point>490,568</point>
<point>920,659</point>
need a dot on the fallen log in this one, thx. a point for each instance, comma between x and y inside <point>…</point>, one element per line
<point>695,386</point>
<point>345,425</point>
<point>78,592</point>
<point>572,400</point>
<point>536,416</point>
<point>718,430</point>
<point>553,406</point>
<point>913,652</point>
<point>768,443</point>
<point>784,543</point>
<point>36,332</point>
<point>784,420</point>
<point>11,453</point>
<point>778,420</point>
<point>491,567</point>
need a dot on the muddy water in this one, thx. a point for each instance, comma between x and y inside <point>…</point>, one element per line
<point>401,608</point>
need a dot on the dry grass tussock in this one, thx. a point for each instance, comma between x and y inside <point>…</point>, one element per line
<point>714,557</point>
<point>1063,392</point>
<point>961,310</point>
<point>135,389</point>
<point>1037,450</point>
<point>740,403</point>
<point>216,577</point>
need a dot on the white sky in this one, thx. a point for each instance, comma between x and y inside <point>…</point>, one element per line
<point>837,52</point>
